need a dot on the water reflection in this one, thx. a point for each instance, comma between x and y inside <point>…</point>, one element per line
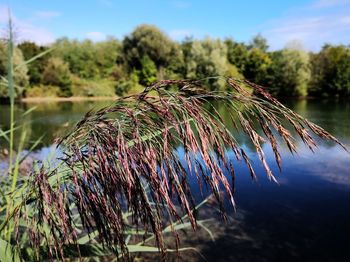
<point>304,219</point>
<point>51,119</point>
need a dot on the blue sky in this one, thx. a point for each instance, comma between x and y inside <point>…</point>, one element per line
<point>309,23</point>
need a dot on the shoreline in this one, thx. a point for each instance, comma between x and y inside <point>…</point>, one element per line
<point>66,99</point>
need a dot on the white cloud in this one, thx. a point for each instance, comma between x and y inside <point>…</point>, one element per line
<point>47,14</point>
<point>3,14</point>
<point>36,34</point>
<point>25,30</point>
<point>312,27</point>
<point>96,36</point>
<point>332,165</point>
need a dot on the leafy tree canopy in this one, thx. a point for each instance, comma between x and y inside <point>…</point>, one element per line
<point>291,73</point>
<point>331,71</point>
<point>20,74</point>
<point>149,40</point>
<point>57,73</point>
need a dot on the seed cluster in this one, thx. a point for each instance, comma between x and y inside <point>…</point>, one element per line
<point>125,158</point>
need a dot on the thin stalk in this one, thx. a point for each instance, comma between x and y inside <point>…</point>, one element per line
<point>11,91</point>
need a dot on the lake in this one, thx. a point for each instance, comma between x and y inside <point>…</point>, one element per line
<point>306,217</point>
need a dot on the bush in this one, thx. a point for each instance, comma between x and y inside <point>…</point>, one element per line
<point>43,91</point>
<point>148,72</point>
<point>20,75</point>
<point>101,87</point>
<point>129,86</point>
<point>57,73</point>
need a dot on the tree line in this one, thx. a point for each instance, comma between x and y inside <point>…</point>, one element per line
<point>119,67</point>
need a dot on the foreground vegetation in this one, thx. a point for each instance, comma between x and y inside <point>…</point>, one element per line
<point>113,67</point>
<point>122,182</point>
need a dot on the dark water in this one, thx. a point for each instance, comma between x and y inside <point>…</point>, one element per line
<point>304,218</point>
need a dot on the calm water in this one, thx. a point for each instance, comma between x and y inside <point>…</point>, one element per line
<point>304,218</point>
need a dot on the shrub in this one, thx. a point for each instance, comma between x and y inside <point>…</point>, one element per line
<point>129,86</point>
<point>20,76</point>
<point>101,87</point>
<point>43,91</point>
<point>57,73</point>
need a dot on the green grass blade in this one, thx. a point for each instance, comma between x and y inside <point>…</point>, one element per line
<point>33,58</point>
<point>85,239</point>
<point>30,150</point>
<point>200,223</point>
<point>9,131</point>
<point>17,162</point>
<point>29,110</point>
<point>4,135</point>
<point>7,252</point>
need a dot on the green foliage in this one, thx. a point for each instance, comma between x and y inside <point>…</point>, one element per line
<point>206,58</point>
<point>252,61</point>
<point>20,75</point>
<point>11,184</point>
<point>57,73</point>
<point>331,71</point>
<point>36,68</point>
<point>237,54</point>
<point>78,55</point>
<point>8,253</point>
<point>290,73</point>
<point>43,91</point>
<point>106,54</point>
<point>259,42</point>
<point>148,54</point>
<point>148,40</point>
<point>148,72</point>
<point>88,60</point>
<point>129,85</point>
<point>256,66</point>
<point>232,71</point>
<point>98,87</point>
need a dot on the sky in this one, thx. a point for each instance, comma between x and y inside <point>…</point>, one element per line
<point>308,23</point>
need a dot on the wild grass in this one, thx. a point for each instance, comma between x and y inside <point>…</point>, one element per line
<point>122,176</point>
<point>122,161</point>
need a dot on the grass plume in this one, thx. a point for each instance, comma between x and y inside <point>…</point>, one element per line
<point>114,154</point>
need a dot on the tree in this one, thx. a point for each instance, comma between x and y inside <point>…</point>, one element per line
<point>290,73</point>
<point>237,54</point>
<point>331,71</point>
<point>36,68</point>
<point>20,74</point>
<point>57,73</point>
<point>80,57</point>
<point>148,40</point>
<point>148,72</point>
<point>87,59</point>
<point>106,54</point>
<point>206,58</point>
<point>256,66</point>
<point>259,42</point>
